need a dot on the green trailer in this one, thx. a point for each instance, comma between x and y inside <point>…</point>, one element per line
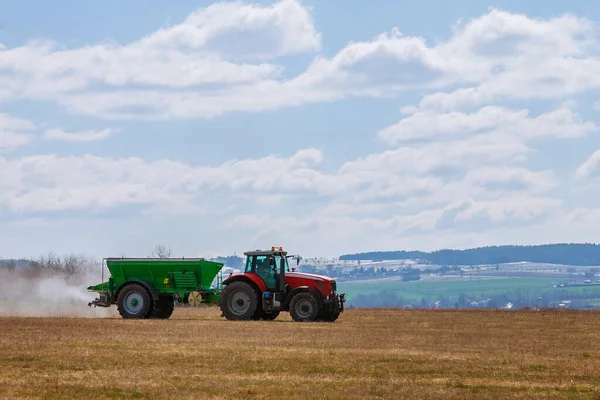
<point>149,287</point>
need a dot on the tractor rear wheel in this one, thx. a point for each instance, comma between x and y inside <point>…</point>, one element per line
<point>163,308</point>
<point>239,301</point>
<point>304,307</point>
<point>134,302</point>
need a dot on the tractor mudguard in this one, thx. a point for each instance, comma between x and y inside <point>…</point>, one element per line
<point>148,286</point>
<point>294,292</point>
<point>248,277</point>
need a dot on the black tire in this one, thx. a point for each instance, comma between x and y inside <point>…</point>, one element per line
<point>163,308</point>
<point>330,316</point>
<point>239,301</point>
<point>258,314</point>
<point>134,302</point>
<point>304,307</point>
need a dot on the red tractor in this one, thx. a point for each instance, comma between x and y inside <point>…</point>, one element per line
<point>268,287</point>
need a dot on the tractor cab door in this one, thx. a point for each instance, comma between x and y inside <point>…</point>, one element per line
<point>267,268</point>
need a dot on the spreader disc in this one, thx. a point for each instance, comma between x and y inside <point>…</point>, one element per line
<point>195,298</point>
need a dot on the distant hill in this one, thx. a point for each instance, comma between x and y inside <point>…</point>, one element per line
<point>580,254</point>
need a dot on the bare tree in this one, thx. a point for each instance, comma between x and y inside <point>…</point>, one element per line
<point>71,264</point>
<point>10,264</point>
<point>162,251</point>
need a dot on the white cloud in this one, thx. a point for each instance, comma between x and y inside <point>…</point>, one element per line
<point>9,122</point>
<point>388,63</point>
<point>11,135</point>
<point>550,79</point>
<point>508,179</point>
<point>424,230</point>
<point>511,208</point>
<point>85,136</point>
<point>442,157</point>
<point>187,54</point>
<point>11,140</point>
<point>437,172</point>
<point>49,182</point>
<point>590,168</point>
<point>41,70</point>
<point>562,123</point>
<point>139,104</point>
<point>521,57</point>
<point>504,54</point>
<point>241,30</point>
<point>497,55</point>
<point>499,34</point>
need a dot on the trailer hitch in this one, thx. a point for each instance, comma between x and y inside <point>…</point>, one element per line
<point>102,301</point>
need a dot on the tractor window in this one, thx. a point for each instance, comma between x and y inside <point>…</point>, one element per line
<point>262,265</point>
<point>286,265</point>
<point>277,264</point>
<point>265,268</point>
<point>249,264</point>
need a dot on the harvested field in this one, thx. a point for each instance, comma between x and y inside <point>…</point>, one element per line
<point>365,354</point>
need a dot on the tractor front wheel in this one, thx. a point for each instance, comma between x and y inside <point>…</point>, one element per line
<point>239,301</point>
<point>330,315</point>
<point>134,302</point>
<point>304,307</point>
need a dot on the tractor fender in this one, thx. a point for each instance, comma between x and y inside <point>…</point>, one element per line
<point>250,278</point>
<point>145,284</point>
<point>294,292</point>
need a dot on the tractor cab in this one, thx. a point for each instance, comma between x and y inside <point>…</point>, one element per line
<point>270,266</point>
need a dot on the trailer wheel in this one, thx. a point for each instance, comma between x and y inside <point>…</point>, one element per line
<point>304,307</point>
<point>134,302</point>
<point>239,301</point>
<point>163,308</point>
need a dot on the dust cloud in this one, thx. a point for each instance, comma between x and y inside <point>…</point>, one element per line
<point>26,294</point>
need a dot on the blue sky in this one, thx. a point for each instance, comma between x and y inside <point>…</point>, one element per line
<point>325,127</point>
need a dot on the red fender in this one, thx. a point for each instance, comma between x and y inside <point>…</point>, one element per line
<point>250,277</point>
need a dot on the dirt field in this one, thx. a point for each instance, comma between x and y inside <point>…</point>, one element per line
<point>365,354</point>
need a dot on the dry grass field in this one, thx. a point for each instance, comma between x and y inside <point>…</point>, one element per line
<point>409,354</point>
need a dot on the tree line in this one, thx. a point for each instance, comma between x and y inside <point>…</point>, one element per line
<point>51,263</point>
<point>578,254</point>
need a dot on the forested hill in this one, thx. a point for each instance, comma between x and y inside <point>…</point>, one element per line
<point>583,254</point>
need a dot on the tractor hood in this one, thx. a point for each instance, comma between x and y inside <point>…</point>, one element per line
<point>309,276</point>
